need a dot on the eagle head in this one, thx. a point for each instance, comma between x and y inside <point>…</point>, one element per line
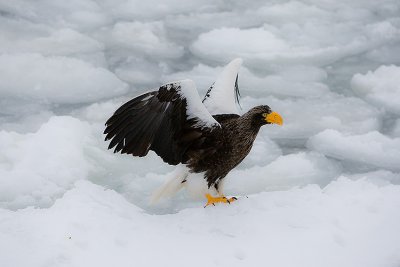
<point>262,115</point>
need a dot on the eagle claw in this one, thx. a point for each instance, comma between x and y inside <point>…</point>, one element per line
<point>212,200</point>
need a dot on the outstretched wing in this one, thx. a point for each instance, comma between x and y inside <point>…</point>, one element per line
<point>166,121</point>
<point>223,95</point>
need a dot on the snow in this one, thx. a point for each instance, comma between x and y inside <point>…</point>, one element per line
<point>62,42</point>
<point>372,148</point>
<point>295,81</point>
<point>236,41</point>
<point>311,42</point>
<point>305,168</point>
<point>305,117</point>
<point>148,38</point>
<point>381,87</point>
<point>322,190</point>
<point>37,168</point>
<point>56,79</point>
<point>396,128</point>
<point>91,226</point>
<point>264,151</point>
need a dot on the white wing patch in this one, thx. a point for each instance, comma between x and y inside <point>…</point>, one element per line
<point>195,109</point>
<point>221,99</point>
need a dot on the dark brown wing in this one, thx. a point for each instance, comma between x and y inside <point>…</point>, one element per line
<point>166,121</point>
<point>222,118</point>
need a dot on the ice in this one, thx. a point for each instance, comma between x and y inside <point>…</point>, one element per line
<point>21,36</point>
<point>396,128</point>
<point>99,112</point>
<point>322,188</point>
<point>83,15</point>
<point>290,43</point>
<point>62,42</point>
<point>380,87</point>
<point>56,79</point>
<point>372,148</point>
<point>379,177</point>
<point>38,167</point>
<point>92,226</point>
<point>28,123</point>
<point>264,151</point>
<point>236,42</point>
<point>305,168</point>
<point>305,117</point>
<point>203,75</point>
<point>155,10</point>
<point>297,81</point>
<point>134,70</point>
<point>147,38</point>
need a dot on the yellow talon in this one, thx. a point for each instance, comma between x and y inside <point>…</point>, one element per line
<point>212,200</point>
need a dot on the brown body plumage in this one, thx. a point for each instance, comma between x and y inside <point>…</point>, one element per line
<point>207,138</point>
<point>230,145</point>
<point>161,121</point>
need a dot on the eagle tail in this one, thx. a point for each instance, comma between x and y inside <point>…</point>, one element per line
<point>174,183</point>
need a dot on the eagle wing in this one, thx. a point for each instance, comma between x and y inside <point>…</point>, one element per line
<point>223,95</point>
<point>167,121</point>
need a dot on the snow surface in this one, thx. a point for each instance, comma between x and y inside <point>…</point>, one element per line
<point>372,148</point>
<point>322,190</point>
<point>381,87</point>
<point>340,225</point>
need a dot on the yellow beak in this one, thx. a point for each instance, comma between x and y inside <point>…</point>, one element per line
<point>274,117</point>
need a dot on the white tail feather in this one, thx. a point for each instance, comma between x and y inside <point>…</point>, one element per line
<point>171,186</point>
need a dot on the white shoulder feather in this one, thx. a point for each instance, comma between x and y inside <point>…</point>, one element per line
<point>222,97</point>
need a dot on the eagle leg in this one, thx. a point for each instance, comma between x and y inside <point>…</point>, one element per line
<point>212,200</point>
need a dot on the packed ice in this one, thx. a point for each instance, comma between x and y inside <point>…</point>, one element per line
<point>321,190</point>
<point>380,87</point>
<point>372,148</point>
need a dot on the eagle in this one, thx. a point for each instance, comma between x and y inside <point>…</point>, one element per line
<point>205,139</point>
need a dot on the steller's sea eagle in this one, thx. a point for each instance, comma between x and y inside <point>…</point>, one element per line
<point>207,139</point>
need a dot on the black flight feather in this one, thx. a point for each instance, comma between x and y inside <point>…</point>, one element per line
<point>155,121</point>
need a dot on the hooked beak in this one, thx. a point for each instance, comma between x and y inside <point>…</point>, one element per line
<point>274,117</point>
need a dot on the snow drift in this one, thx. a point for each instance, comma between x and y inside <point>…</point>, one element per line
<point>323,190</point>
